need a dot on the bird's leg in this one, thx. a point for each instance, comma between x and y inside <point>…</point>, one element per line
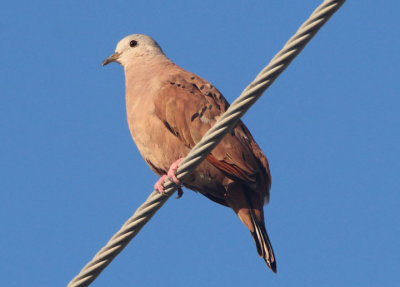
<point>171,174</point>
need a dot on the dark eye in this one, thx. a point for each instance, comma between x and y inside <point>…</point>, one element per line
<point>133,43</point>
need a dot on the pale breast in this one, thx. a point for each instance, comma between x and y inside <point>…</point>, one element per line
<point>154,141</point>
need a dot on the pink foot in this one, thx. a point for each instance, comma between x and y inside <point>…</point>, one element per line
<point>171,174</point>
<point>172,170</point>
<point>159,184</point>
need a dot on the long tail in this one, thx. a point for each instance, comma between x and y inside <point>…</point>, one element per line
<point>249,208</point>
<point>264,247</point>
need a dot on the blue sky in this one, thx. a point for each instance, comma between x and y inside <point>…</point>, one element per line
<point>330,127</point>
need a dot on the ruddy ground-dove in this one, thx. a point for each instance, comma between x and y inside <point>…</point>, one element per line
<point>169,110</point>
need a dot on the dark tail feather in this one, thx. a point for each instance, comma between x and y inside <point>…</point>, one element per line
<point>249,208</point>
<point>264,247</point>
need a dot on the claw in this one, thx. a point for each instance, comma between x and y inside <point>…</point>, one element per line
<point>172,174</point>
<point>172,171</point>
<point>159,184</point>
<point>180,193</point>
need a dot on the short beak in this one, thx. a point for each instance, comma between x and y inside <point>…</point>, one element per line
<point>113,58</point>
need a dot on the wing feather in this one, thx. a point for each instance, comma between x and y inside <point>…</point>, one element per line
<point>199,105</point>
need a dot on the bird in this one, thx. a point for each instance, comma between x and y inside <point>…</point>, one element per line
<point>168,111</point>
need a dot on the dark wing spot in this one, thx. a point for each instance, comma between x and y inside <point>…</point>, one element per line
<point>202,111</point>
<point>168,127</point>
<point>194,117</point>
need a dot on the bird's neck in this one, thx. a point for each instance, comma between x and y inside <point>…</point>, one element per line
<point>145,70</point>
<point>143,77</point>
<point>146,65</point>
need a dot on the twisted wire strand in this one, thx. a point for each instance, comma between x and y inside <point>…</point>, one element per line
<point>213,136</point>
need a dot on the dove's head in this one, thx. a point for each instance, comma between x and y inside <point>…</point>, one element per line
<point>134,46</point>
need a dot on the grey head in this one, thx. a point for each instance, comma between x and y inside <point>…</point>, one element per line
<point>133,46</point>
